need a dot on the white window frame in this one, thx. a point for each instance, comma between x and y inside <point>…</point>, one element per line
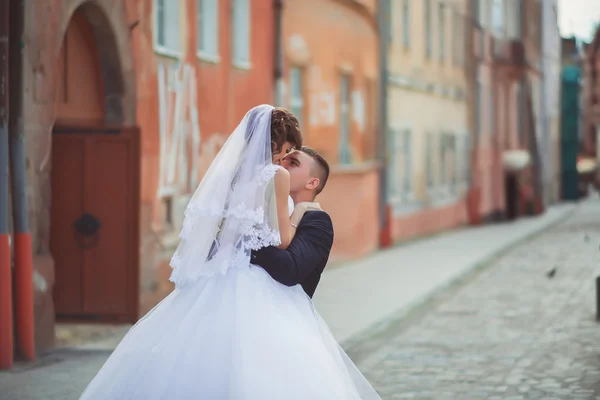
<point>297,93</point>
<point>241,30</point>
<point>207,30</point>
<point>345,120</point>
<point>174,49</point>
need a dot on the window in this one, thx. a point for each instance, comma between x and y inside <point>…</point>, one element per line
<point>168,212</point>
<point>466,160</point>
<point>428,44</point>
<point>522,102</point>
<point>400,177</point>
<point>429,157</point>
<point>406,23</point>
<point>389,20</point>
<point>498,18</point>
<point>492,105</point>
<point>297,94</point>
<point>370,134</point>
<point>444,172</point>
<point>167,38</point>
<point>345,120</point>
<point>442,25</point>
<point>394,165</point>
<point>241,33</point>
<point>484,13</point>
<point>208,29</point>
<point>448,177</point>
<point>457,38</point>
<point>513,19</point>
<point>452,162</point>
<point>478,99</point>
<point>407,164</point>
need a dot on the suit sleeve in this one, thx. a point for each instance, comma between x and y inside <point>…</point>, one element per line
<point>309,248</point>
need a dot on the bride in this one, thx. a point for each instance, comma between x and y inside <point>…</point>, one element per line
<point>228,330</point>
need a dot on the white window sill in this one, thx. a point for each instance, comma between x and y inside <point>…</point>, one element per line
<point>208,58</point>
<point>442,196</point>
<point>243,65</point>
<point>405,205</point>
<point>164,51</point>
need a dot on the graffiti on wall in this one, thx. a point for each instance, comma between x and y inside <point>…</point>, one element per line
<point>358,110</point>
<point>322,99</point>
<point>184,155</point>
<point>179,129</point>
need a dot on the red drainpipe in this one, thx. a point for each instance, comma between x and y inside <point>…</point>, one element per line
<point>6,313</point>
<point>22,237</point>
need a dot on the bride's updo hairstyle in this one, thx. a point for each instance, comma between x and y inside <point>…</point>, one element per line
<point>284,128</point>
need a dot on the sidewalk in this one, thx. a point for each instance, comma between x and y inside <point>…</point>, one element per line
<point>358,298</point>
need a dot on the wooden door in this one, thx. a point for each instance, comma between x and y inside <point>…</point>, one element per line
<point>94,224</point>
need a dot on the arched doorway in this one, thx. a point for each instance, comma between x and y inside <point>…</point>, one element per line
<point>94,182</point>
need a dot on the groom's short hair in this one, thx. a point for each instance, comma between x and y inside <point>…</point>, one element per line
<point>321,167</point>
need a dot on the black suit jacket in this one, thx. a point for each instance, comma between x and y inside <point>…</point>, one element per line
<point>305,258</point>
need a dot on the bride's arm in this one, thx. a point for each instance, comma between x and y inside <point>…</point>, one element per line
<point>287,224</point>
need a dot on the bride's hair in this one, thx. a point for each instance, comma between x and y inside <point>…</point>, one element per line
<point>284,128</point>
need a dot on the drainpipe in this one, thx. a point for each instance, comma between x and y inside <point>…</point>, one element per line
<point>6,317</point>
<point>548,158</point>
<point>22,236</point>
<point>384,211</point>
<point>278,8</point>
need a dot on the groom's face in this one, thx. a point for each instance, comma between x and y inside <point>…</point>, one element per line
<point>300,165</point>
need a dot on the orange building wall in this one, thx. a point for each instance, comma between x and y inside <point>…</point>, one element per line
<point>205,109</point>
<point>327,39</point>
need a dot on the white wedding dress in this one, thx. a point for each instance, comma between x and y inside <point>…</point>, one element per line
<point>240,335</point>
<point>229,331</point>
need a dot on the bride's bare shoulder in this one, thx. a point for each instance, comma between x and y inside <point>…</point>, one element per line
<point>281,175</point>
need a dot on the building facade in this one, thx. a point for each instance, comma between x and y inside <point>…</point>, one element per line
<point>550,105</point>
<point>508,83</point>
<point>331,75</point>
<point>428,135</point>
<point>591,70</point>
<point>571,116</point>
<point>126,104</point>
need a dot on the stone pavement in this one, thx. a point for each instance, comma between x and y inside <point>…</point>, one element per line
<point>523,328</point>
<point>363,294</point>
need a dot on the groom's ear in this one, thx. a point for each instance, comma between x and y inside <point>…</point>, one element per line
<point>313,183</point>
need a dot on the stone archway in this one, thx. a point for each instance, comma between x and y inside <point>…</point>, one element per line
<point>44,31</point>
<point>112,34</point>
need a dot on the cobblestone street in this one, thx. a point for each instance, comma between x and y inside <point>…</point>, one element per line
<point>516,330</point>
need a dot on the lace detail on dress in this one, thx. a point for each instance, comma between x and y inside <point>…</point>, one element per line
<point>254,232</point>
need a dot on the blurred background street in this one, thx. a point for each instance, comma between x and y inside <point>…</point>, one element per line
<point>463,137</point>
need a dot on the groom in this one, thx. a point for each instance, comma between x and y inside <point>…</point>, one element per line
<point>306,256</point>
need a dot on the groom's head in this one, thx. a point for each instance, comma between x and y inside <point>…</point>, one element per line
<point>309,172</point>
